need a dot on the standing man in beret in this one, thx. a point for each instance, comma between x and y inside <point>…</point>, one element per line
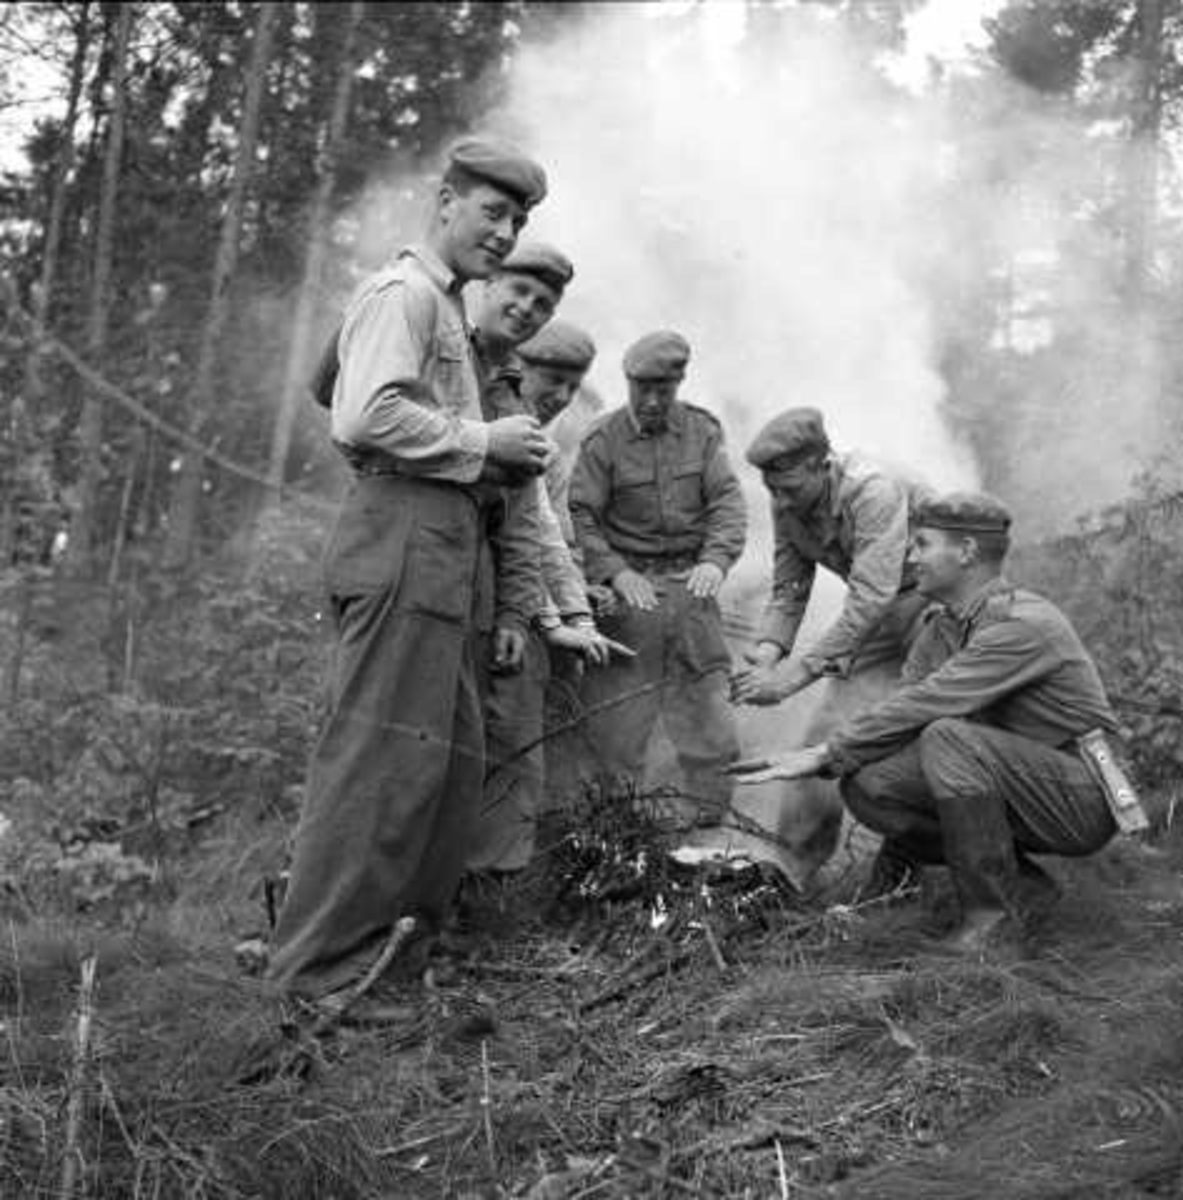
<point>660,517</point>
<point>975,760</point>
<point>397,771</point>
<point>851,516</point>
<point>514,305</point>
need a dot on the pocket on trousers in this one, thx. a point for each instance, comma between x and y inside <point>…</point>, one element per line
<point>702,647</point>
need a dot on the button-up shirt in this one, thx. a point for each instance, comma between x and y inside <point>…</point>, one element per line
<point>407,384</point>
<point>859,530</point>
<point>638,495</point>
<point>1009,659</point>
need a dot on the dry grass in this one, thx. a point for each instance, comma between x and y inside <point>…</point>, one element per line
<point>580,1052</point>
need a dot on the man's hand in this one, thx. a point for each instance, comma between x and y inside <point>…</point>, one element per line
<point>768,685</point>
<point>793,764</point>
<point>509,649</point>
<point>518,445</point>
<point>602,600</point>
<point>588,642</point>
<point>635,590</point>
<point>704,581</point>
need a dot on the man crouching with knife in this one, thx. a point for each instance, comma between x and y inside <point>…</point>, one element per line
<point>981,757</point>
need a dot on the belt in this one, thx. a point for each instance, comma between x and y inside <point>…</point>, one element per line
<point>662,564</point>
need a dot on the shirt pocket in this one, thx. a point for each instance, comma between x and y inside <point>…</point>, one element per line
<point>686,495</point>
<point>455,384</point>
<point>635,495</point>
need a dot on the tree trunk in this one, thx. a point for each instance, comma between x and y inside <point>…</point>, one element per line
<point>43,291</point>
<point>296,368</point>
<point>80,548</point>
<point>186,498</point>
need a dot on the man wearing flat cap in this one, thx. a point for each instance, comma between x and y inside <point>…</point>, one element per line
<point>660,518</point>
<point>515,304</point>
<point>977,760</point>
<point>849,515</point>
<point>397,771</point>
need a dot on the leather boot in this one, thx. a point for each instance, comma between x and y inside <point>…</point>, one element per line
<point>893,873</point>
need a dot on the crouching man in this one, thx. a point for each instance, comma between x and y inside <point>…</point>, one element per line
<point>974,760</point>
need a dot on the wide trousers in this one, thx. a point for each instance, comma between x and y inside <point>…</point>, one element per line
<point>396,774</point>
<point>978,798</point>
<point>680,675</point>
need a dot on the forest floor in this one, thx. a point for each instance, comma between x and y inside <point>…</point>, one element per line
<point>614,1026</point>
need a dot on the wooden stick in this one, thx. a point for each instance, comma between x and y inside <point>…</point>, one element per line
<point>76,1109</point>
<point>487,1109</point>
<point>403,928</point>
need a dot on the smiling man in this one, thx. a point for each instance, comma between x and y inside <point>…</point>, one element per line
<point>398,768</point>
<point>978,759</point>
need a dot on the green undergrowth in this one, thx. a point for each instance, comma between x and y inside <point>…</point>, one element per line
<point>695,1034</point>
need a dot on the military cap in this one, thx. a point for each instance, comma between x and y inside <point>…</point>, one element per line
<point>789,438</point>
<point>660,355</point>
<point>560,344</point>
<point>502,164</point>
<point>964,512</point>
<point>540,260</point>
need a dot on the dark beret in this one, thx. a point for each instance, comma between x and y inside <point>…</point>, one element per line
<point>660,355</point>
<point>543,262</point>
<point>790,437</point>
<point>559,344</point>
<point>964,512</point>
<point>502,164</point>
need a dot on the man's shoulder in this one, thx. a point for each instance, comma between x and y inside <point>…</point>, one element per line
<point>700,417</point>
<point>404,279</point>
<point>607,426</point>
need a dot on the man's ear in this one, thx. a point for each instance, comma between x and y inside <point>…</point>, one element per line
<point>445,200</point>
<point>970,552</point>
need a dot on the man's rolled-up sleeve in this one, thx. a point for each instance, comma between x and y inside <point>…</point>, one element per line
<point>382,399</point>
<point>792,583</point>
<point>879,518</point>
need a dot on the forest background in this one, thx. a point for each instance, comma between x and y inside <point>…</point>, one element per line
<point>177,242</point>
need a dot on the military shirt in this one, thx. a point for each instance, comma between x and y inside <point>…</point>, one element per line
<point>636,495</point>
<point>1009,659</point>
<point>859,529</point>
<point>407,384</point>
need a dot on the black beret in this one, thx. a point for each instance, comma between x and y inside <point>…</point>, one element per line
<point>560,344</point>
<point>502,164</point>
<point>660,355</point>
<point>794,435</point>
<point>964,512</point>
<point>544,262</point>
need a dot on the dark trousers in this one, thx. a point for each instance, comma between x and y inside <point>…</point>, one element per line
<point>977,797</point>
<point>396,774</point>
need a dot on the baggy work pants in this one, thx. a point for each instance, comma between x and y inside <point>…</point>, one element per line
<point>680,674</point>
<point>976,797</point>
<point>396,774</point>
<point>505,824</point>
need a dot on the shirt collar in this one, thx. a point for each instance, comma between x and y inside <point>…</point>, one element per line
<point>675,423</point>
<point>972,608</point>
<point>440,273</point>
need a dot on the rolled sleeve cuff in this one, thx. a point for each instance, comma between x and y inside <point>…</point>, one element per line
<point>472,449</point>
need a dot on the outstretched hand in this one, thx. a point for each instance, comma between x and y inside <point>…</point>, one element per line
<point>792,764</point>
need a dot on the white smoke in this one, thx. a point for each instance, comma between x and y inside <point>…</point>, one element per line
<point>774,203</point>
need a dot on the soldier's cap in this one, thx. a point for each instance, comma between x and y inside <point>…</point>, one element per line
<point>660,355</point>
<point>502,164</point>
<point>559,344</point>
<point>543,262</point>
<point>964,512</point>
<point>789,438</point>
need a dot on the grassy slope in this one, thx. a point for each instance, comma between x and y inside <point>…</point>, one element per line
<point>833,1053</point>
